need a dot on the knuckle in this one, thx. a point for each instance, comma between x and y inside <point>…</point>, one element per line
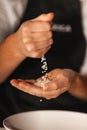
<point>23,33</point>
<point>48,26</point>
<point>50,34</point>
<point>36,55</point>
<point>30,47</point>
<point>24,39</point>
<point>23,27</point>
<point>51,41</point>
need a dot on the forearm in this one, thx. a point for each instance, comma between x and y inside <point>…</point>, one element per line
<point>79,88</point>
<point>10,58</point>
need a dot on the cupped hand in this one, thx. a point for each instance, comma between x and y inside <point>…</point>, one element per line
<point>34,37</point>
<point>61,80</point>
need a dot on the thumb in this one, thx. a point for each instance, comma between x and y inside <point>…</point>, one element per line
<point>45,17</point>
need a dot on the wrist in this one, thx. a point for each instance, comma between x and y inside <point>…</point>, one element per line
<point>14,48</point>
<point>79,89</point>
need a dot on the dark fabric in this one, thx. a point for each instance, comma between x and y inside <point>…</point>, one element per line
<point>67,52</point>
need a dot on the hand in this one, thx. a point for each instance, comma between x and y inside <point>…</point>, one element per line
<point>34,37</point>
<point>61,80</point>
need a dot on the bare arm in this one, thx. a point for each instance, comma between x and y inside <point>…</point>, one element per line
<point>9,57</point>
<point>79,89</point>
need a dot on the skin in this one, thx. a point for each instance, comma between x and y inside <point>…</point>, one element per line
<point>32,39</point>
<point>61,80</point>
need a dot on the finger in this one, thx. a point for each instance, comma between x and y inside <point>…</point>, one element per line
<point>45,17</point>
<point>32,81</point>
<point>39,26</point>
<point>39,52</point>
<point>20,80</point>
<point>41,36</point>
<point>27,87</point>
<point>15,82</point>
<point>35,46</point>
<point>37,36</point>
<point>41,23</point>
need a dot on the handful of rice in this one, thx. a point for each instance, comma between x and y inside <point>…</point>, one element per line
<point>42,81</point>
